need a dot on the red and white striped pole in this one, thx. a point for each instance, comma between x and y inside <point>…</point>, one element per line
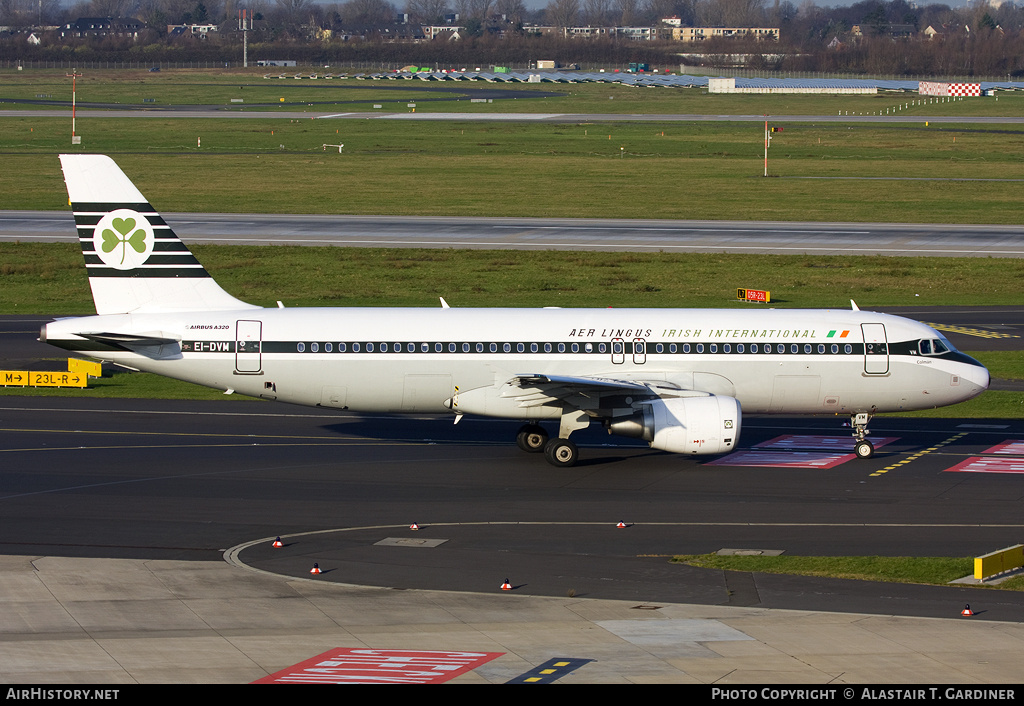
<point>74,78</point>
<point>766,138</point>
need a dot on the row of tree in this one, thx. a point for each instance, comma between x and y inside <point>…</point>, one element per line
<point>805,20</point>
<point>978,39</point>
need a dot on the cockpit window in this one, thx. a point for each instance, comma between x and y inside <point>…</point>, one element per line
<point>932,346</point>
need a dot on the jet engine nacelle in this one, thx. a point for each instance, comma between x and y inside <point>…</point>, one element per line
<point>690,425</point>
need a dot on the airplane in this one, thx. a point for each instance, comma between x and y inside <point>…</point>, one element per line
<point>679,379</point>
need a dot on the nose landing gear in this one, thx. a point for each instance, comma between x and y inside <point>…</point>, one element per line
<point>862,447</point>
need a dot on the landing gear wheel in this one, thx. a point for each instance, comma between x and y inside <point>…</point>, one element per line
<point>532,438</point>
<point>864,449</point>
<point>561,452</point>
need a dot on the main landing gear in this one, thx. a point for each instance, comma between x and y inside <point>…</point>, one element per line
<point>559,452</point>
<point>862,447</point>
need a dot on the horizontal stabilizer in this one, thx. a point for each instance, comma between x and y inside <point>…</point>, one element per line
<point>129,340</point>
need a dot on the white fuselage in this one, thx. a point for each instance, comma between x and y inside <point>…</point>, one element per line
<point>414,360</point>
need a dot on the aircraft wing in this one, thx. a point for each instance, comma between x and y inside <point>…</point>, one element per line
<point>535,390</point>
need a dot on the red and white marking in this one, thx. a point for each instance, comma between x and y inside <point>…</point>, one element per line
<point>988,464</point>
<point>995,464</point>
<point>798,451</point>
<point>1010,446</point>
<point>353,665</point>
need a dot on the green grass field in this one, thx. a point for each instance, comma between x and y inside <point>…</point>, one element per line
<point>624,170</point>
<point>50,278</point>
<point>907,172</point>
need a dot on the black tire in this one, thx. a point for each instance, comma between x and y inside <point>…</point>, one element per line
<point>561,453</point>
<point>532,438</point>
<point>864,449</point>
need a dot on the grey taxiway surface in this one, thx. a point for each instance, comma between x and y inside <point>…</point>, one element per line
<point>559,234</point>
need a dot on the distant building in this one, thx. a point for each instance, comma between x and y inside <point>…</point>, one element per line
<point>889,30</point>
<point>195,30</point>
<point>434,31</point>
<point>701,34</point>
<point>85,27</point>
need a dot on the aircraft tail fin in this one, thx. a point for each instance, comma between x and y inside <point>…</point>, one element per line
<point>134,259</point>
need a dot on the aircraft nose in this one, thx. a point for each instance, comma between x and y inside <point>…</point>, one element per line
<point>975,374</point>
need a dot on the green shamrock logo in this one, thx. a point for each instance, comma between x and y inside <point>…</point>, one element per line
<point>124,226</point>
<point>124,239</point>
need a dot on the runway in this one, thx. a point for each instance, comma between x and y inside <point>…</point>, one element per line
<point>762,237</point>
<point>292,111</point>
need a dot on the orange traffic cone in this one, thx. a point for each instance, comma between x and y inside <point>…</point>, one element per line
<point>621,525</point>
<point>967,611</point>
<point>506,586</point>
<point>277,542</point>
<point>315,569</point>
